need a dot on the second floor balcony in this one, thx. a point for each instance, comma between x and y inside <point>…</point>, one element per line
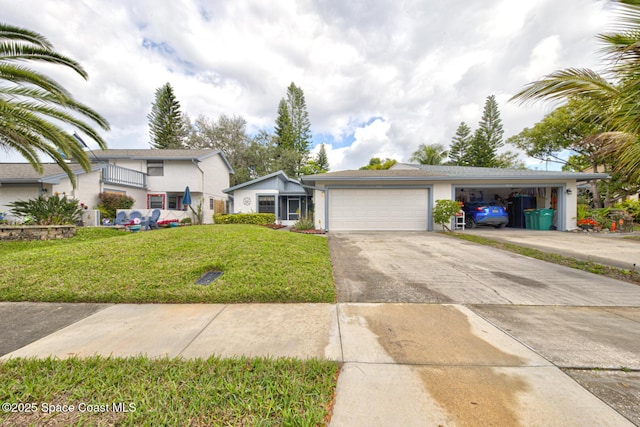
<point>122,176</point>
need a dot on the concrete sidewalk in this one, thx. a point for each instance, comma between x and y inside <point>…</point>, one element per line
<point>403,364</point>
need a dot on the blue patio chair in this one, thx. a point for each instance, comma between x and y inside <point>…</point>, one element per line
<point>136,214</point>
<point>121,218</point>
<point>152,221</point>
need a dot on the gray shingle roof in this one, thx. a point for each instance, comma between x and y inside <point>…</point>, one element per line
<point>279,173</point>
<point>451,173</point>
<point>152,154</point>
<point>24,172</point>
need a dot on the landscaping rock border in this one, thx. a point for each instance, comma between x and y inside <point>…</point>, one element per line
<point>36,232</point>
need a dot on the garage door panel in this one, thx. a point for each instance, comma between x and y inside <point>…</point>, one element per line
<point>378,209</point>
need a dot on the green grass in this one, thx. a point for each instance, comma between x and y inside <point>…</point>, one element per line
<point>233,392</point>
<point>590,266</point>
<point>161,266</point>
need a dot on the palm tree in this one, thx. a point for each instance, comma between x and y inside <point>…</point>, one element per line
<point>429,154</point>
<point>611,98</point>
<point>33,106</point>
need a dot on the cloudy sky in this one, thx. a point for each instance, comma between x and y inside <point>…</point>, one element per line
<point>380,77</point>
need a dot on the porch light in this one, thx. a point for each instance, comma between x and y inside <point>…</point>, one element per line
<point>569,191</point>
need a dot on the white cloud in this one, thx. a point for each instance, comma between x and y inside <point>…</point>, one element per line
<point>419,67</point>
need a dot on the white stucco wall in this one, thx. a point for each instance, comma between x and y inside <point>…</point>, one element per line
<point>11,193</point>
<point>319,204</point>
<point>205,179</point>
<point>252,195</point>
<point>216,179</point>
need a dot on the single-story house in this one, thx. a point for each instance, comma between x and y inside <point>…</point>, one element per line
<point>155,179</point>
<point>275,193</point>
<point>403,197</point>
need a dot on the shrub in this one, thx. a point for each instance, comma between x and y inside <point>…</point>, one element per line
<point>632,206</point>
<point>304,223</point>
<point>600,216</point>
<point>581,211</point>
<point>52,210</point>
<point>185,220</point>
<point>250,218</point>
<point>444,210</point>
<point>110,202</point>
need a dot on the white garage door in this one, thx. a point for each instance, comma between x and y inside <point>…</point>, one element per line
<point>378,209</point>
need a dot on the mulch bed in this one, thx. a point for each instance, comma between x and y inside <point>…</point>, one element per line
<point>274,226</point>
<point>312,231</point>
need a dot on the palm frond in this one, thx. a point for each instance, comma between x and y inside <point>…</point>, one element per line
<point>563,84</point>
<point>33,105</point>
<point>11,32</point>
<point>10,52</point>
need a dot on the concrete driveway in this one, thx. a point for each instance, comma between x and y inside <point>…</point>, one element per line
<point>584,324</point>
<point>613,249</point>
<point>432,268</point>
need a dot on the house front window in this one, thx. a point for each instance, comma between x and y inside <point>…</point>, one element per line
<point>155,201</point>
<point>155,167</point>
<point>174,202</point>
<point>267,204</point>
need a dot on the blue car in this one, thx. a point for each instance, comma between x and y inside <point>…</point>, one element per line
<point>482,213</point>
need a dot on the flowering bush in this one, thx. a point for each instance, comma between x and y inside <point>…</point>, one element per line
<point>587,222</point>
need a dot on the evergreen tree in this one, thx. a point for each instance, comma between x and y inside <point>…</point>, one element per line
<point>319,164</point>
<point>167,125</point>
<point>293,134</point>
<point>300,124</point>
<point>483,151</point>
<point>284,128</point>
<point>322,160</point>
<point>460,146</point>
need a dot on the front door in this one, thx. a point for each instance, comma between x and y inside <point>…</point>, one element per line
<point>293,207</point>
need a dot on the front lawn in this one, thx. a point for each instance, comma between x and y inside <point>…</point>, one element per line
<point>161,266</point>
<point>140,391</point>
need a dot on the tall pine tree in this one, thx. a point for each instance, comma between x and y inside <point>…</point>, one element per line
<point>322,160</point>
<point>483,151</point>
<point>167,125</point>
<point>460,144</point>
<point>293,134</point>
<point>300,124</point>
<point>284,128</point>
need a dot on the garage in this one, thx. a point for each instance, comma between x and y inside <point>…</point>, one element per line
<point>402,198</point>
<point>516,201</point>
<point>368,209</point>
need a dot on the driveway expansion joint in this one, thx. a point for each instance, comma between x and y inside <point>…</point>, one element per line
<point>203,329</point>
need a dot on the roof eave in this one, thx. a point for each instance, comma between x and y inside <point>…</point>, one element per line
<point>279,173</point>
<point>578,177</point>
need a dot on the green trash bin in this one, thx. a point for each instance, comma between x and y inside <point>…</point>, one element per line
<point>535,219</point>
<point>528,219</point>
<point>545,219</point>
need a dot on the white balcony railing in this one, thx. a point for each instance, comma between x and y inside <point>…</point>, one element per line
<point>122,176</point>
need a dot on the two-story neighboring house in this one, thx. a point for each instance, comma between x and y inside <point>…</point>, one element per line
<point>155,179</point>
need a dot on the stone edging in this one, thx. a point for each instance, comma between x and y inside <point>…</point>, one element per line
<point>36,232</point>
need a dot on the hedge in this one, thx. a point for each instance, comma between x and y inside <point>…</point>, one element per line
<point>250,218</point>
